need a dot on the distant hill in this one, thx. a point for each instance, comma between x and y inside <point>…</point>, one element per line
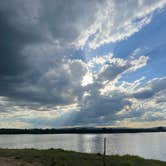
<point>81,130</point>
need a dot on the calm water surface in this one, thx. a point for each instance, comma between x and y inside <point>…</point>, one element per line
<point>147,145</point>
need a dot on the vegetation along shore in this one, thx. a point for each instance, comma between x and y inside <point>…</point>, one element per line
<point>59,157</point>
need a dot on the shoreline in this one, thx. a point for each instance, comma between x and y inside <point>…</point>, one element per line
<point>58,157</point>
<point>86,130</point>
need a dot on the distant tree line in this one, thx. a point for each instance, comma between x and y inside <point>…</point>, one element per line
<point>81,130</point>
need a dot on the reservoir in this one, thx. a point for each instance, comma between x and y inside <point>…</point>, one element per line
<point>147,145</point>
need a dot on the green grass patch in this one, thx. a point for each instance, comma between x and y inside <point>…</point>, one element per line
<point>58,157</point>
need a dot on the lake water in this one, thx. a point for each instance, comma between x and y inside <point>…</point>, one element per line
<point>147,145</point>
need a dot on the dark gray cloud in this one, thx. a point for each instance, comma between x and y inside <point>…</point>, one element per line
<point>111,71</point>
<point>151,88</point>
<point>67,19</point>
<point>31,35</point>
<point>99,110</point>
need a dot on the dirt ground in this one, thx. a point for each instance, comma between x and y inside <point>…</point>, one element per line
<point>15,162</point>
<point>9,162</point>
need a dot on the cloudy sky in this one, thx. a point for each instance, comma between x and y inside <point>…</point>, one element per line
<point>82,63</point>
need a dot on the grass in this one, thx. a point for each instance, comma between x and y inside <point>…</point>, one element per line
<point>58,157</point>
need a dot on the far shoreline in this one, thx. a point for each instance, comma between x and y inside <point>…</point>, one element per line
<point>81,130</point>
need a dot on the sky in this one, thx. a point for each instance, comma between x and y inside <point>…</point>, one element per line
<point>70,63</point>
